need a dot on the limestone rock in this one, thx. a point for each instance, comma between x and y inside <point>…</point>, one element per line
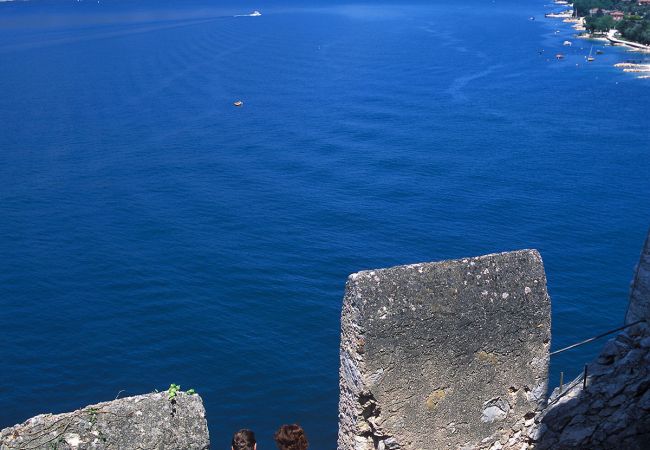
<point>144,421</point>
<point>438,355</point>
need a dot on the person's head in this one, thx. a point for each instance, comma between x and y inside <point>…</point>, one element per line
<point>244,440</point>
<point>291,437</point>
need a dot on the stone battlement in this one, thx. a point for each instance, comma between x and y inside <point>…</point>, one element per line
<point>433,356</point>
<point>144,421</point>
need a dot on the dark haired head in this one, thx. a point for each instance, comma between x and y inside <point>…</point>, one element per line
<point>291,437</point>
<point>243,440</point>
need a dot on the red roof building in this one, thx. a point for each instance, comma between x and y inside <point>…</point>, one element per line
<point>617,15</point>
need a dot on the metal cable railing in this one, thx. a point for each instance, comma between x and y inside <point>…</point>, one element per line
<point>586,341</point>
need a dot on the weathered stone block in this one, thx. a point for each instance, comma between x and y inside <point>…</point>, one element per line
<point>639,305</point>
<point>145,421</point>
<point>438,355</point>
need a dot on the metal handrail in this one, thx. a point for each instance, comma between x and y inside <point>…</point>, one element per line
<point>585,373</point>
<point>586,341</point>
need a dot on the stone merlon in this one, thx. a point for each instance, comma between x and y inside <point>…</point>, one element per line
<point>142,422</point>
<point>437,355</point>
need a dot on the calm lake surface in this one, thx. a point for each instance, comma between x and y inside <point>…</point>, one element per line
<point>151,233</point>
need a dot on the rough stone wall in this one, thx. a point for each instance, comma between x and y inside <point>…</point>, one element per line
<point>612,412</point>
<point>639,306</point>
<point>434,356</point>
<point>143,422</point>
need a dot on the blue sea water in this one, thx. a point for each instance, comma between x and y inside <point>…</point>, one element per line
<point>151,233</point>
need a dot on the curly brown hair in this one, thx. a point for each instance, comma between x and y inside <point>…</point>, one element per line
<point>291,437</point>
<point>243,440</point>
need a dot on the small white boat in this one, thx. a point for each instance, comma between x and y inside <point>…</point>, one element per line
<point>567,43</point>
<point>238,104</point>
<point>253,14</point>
<point>590,58</point>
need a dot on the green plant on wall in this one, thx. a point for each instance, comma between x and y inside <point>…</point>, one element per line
<point>174,389</point>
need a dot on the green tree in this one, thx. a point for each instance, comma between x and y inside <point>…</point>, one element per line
<point>583,6</point>
<point>635,30</point>
<point>601,24</point>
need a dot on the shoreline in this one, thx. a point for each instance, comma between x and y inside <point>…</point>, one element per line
<point>608,38</point>
<point>614,41</point>
<point>635,46</point>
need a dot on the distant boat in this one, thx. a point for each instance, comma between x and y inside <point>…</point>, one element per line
<point>567,43</point>
<point>238,104</point>
<point>599,52</point>
<point>559,56</point>
<point>253,14</point>
<point>590,58</point>
<point>531,18</point>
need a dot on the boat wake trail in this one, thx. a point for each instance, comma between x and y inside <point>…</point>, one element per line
<point>90,36</point>
<point>458,85</point>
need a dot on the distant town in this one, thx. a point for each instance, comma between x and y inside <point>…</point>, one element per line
<point>630,18</point>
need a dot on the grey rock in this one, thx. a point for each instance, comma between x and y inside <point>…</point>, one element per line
<point>596,369</point>
<point>640,387</point>
<point>625,340</point>
<point>536,432</point>
<point>518,426</point>
<point>576,435</point>
<point>599,436</point>
<point>616,422</point>
<point>639,305</point>
<point>606,412</point>
<point>640,329</point>
<point>644,401</point>
<point>145,421</point>
<point>605,360</point>
<point>549,441</point>
<point>492,414</point>
<point>391,444</point>
<point>577,420</point>
<point>610,388</point>
<point>617,401</point>
<point>559,414</point>
<point>495,409</point>
<point>438,341</point>
<point>596,405</point>
<point>615,347</point>
<point>612,350</point>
